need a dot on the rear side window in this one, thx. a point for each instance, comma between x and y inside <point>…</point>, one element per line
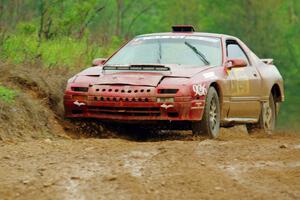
<point>235,51</point>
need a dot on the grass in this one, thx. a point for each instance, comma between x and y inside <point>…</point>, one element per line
<point>62,51</point>
<point>7,95</point>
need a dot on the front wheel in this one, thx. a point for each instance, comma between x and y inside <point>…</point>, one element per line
<point>210,123</point>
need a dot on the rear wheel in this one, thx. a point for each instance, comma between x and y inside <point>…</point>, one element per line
<point>267,118</point>
<point>210,123</point>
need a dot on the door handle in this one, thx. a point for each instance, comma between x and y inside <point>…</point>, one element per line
<point>255,74</point>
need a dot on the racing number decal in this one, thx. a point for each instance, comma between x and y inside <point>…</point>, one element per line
<point>200,90</point>
<point>239,81</point>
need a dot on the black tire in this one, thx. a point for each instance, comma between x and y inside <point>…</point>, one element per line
<point>267,118</point>
<point>210,123</point>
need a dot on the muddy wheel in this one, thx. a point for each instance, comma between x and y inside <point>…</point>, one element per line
<point>210,123</point>
<point>267,118</point>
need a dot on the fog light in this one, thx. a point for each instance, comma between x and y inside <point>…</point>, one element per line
<point>165,99</point>
<point>79,97</point>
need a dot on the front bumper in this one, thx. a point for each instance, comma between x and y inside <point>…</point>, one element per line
<point>139,109</point>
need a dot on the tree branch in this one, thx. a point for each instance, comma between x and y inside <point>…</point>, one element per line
<point>137,16</point>
<point>89,20</point>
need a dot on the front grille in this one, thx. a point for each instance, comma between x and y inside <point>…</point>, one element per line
<point>77,112</point>
<point>126,111</point>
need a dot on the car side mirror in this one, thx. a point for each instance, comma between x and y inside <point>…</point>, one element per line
<point>235,63</point>
<point>99,61</point>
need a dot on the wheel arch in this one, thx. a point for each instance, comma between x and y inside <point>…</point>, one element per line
<point>276,92</point>
<point>219,91</point>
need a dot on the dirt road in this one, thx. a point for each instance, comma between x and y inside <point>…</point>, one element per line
<point>169,166</point>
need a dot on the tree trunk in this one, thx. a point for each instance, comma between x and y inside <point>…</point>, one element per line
<point>120,4</point>
<point>42,19</point>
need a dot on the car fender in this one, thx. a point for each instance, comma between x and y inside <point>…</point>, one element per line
<point>271,77</point>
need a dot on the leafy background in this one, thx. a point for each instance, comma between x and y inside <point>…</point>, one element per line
<point>70,33</point>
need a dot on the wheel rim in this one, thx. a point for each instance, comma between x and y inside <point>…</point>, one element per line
<point>213,115</point>
<point>268,116</point>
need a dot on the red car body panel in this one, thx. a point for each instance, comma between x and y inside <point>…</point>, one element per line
<point>133,98</point>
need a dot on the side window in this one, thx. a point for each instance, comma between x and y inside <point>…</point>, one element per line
<point>235,51</point>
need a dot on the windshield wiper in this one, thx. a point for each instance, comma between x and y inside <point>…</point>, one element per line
<point>159,52</point>
<point>201,55</point>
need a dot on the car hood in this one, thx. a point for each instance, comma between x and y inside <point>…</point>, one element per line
<point>138,77</point>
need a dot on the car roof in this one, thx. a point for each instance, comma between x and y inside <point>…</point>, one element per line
<point>203,34</point>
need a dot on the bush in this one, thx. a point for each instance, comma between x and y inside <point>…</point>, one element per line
<point>7,95</point>
<point>18,48</point>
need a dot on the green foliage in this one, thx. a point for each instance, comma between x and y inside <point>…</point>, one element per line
<point>7,95</point>
<point>63,51</point>
<point>67,52</point>
<point>26,28</point>
<point>19,48</point>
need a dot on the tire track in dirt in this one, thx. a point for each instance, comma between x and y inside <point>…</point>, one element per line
<point>123,169</point>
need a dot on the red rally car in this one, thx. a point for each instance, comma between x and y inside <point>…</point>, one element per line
<point>182,79</point>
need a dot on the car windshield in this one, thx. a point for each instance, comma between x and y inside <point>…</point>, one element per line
<point>178,50</point>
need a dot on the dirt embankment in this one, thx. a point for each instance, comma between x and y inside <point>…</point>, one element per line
<point>31,114</point>
<point>37,111</point>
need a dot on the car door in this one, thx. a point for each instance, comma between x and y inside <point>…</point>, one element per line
<point>244,85</point>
